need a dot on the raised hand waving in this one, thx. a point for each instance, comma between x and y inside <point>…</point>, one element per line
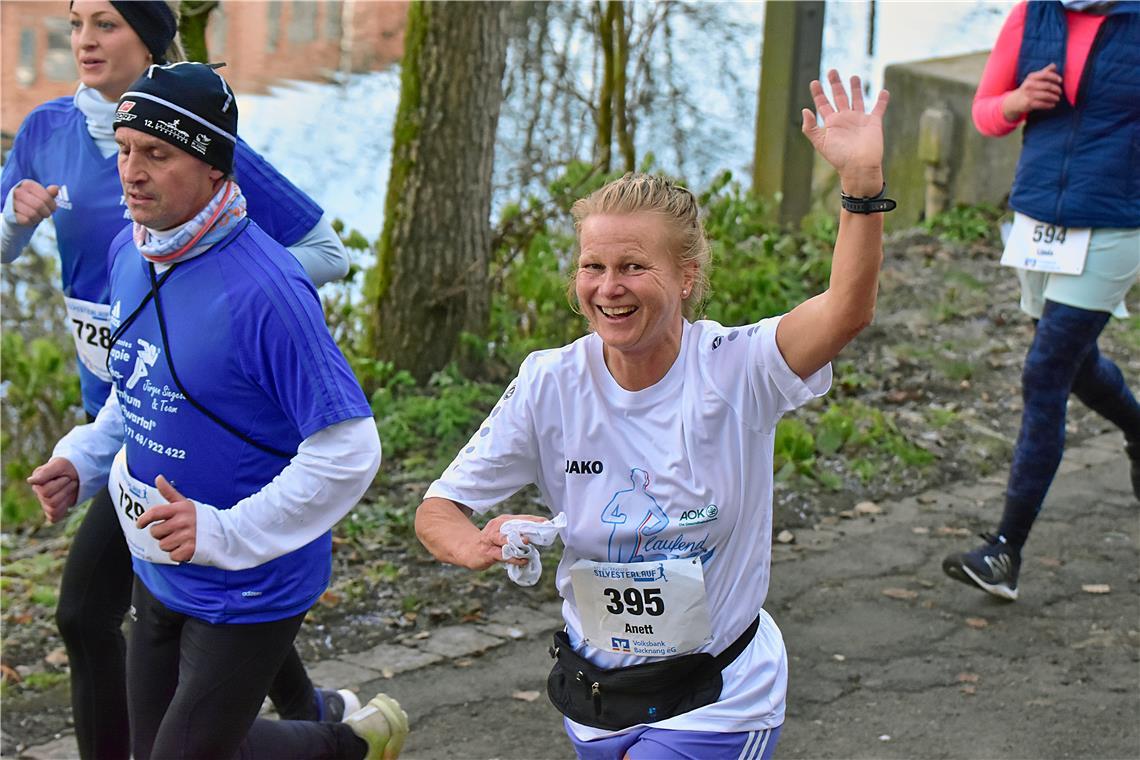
<point>850,139</point>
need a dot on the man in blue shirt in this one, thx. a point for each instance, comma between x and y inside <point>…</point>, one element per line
<point>236,436</point>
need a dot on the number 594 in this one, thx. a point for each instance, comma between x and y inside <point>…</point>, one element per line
<point>1048,233</point>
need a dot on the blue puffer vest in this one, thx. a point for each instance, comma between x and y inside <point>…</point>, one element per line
<point>1080,166</point>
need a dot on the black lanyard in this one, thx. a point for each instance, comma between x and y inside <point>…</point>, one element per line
<point>156,284</point>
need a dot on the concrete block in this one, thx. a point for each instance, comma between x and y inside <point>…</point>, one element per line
<point>1113,441</point>
<point>978,492</point>
<point>980,168</point>
<point>1090,455</point>
<point>338,674</point>
<point>63,748</point>
<point>458,641</point>
<point>390,659</point>
<point>935,136</point>
<point>531,622</point>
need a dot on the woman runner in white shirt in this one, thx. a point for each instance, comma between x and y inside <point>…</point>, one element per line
<point>653,435</point>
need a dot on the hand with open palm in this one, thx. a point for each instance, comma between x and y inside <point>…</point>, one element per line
<point>850,139</point>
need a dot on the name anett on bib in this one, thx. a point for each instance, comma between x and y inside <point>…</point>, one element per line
<point>649,609</point>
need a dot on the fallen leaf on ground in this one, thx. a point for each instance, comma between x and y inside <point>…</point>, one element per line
<point>946,530</point>
<point>1050,561</point>
<point>868,508</point>
<point>785,537</point>
<point>1095,588</point>
<point>969,689</point>
<point>838,657</point>
<point>977,623</point>
<point>919,530</point>
<point>57,658</point>
<point>967,678</point>
<point>900,593</point>
<point>9,675</point>
<point>525,696</point>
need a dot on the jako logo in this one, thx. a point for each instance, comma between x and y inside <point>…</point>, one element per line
<point>583,467</point>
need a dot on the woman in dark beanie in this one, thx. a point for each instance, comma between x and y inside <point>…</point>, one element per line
<point>63,165</point>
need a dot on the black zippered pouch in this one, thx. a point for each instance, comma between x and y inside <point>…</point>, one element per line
<point>618,698</point>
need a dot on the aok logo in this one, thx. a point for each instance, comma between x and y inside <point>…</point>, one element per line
<point>699,515</point>
<point>583,467</point>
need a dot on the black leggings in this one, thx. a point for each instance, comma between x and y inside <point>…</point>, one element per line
<point>195,689</point>
<point>1063,359</point>
<point>94,595</point>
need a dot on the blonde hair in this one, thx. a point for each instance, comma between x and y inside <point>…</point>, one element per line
<point>634,193</point>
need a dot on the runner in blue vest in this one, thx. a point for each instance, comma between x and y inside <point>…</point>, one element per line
<point>63,165</point>
<point>1069,71</point>
<point>235,438</point>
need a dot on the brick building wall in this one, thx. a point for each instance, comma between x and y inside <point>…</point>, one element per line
<point>261,41</point>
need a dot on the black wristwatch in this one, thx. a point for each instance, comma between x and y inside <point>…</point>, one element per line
<point>877,204</point>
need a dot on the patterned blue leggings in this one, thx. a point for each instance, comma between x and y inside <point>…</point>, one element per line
<point>1063,359</point>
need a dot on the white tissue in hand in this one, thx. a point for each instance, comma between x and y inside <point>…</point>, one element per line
<point>538,534</point>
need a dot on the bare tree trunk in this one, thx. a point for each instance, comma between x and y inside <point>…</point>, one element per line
<point>193,18</point>
<point>606,95</point>
<point>430,279</point>
<point>621,63</point>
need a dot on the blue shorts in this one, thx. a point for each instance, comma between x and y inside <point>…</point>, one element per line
<point>664,744</point>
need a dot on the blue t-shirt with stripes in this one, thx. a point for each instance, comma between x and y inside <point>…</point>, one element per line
<point>247,339</point>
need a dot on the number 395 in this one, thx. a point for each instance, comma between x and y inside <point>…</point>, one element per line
<point>635,601</point>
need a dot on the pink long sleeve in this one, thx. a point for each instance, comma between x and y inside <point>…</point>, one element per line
<point>1000,75</point>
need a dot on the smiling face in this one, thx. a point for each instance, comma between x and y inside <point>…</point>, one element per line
<point>163,186</point>
<point>631,289</point>
<point>108,52</point>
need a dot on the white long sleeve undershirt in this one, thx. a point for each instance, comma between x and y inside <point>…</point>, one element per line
<point>325,479</point>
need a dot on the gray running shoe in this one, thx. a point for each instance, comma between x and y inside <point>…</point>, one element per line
<point>335,705</point>
<point>992,567</point>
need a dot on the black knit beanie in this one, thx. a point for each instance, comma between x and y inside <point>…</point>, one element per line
<point>188,105</point>
<point>153,22</point>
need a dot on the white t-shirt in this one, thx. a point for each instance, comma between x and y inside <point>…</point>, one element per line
<point>701,437</point>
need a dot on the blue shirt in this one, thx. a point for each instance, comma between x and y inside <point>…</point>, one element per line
<point>1080,164</point>
<point>247,338</point>
<point>53,147</point>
